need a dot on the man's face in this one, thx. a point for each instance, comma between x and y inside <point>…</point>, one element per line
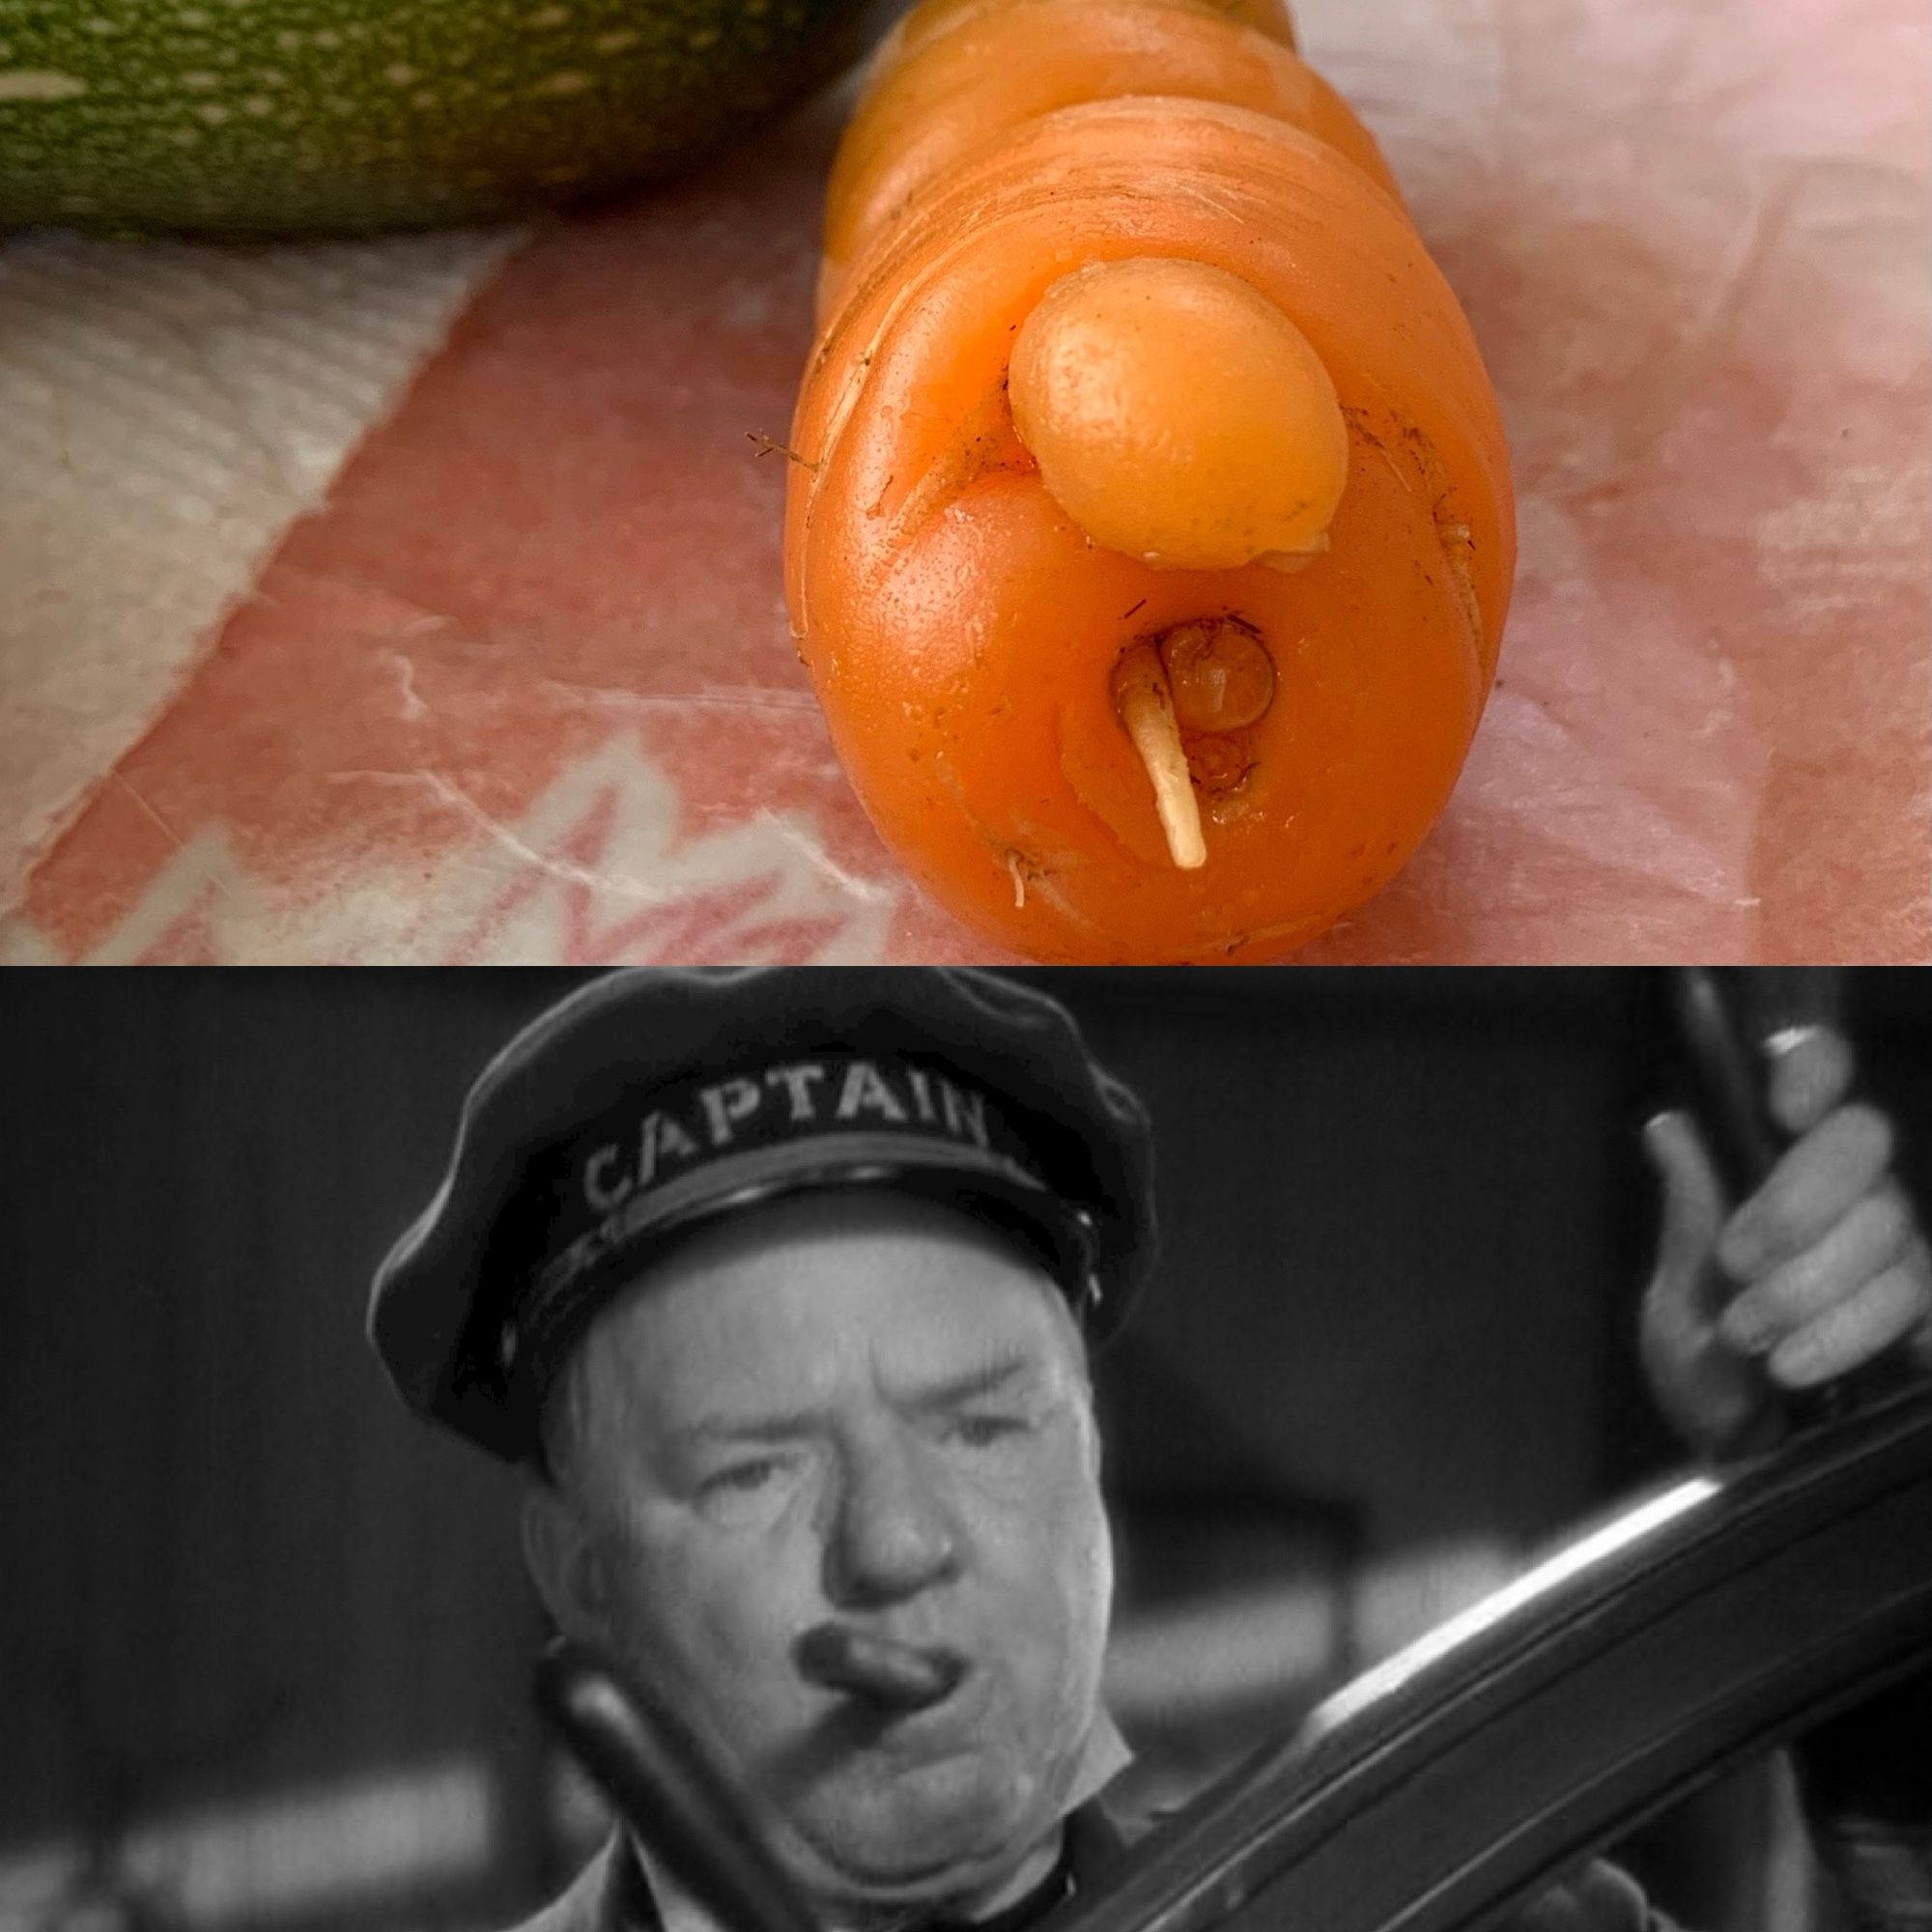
<point>856,1415</point>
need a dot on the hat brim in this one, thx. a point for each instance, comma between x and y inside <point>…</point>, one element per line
<point>984,1185</point>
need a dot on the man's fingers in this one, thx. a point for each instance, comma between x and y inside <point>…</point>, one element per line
<point>1600,1898</point>
<point>1815,1184</point>
<point>1712,1395</point>
<point>1810,1075</point>
<point>1612,1902</point>
<point>1693,1209</point>
<point>1847,1336</point>
<point>1821,1271</point>
<point>1554,1912</point>
<point>1875,1232</point>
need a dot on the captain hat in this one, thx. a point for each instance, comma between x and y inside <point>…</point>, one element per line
<point>654,1101</point>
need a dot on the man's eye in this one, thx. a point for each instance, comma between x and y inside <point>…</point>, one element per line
<point>742,1478</point>
<point>982,1432</point>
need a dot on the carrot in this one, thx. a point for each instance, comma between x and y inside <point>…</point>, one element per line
<point>1151,536</point>
<point>966,71</point>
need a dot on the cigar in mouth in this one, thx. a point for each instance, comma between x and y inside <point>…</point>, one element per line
<point>881,1669</point>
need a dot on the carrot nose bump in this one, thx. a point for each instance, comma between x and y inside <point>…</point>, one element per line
<point>1178,416</point>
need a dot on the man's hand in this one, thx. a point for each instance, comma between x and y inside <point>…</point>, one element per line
<point>1598,1898</point>
<point>1820,1270</point>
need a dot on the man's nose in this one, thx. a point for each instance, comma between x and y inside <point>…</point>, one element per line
<point>896,1532</point>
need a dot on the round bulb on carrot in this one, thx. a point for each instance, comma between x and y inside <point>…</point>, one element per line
<point>1177,415</point>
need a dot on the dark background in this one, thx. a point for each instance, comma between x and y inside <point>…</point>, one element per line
<point>270,1639</point>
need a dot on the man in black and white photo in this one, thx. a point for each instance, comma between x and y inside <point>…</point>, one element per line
<point>782,1286</point>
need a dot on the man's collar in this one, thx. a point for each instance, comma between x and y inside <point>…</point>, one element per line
<point>1102,1758</point>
